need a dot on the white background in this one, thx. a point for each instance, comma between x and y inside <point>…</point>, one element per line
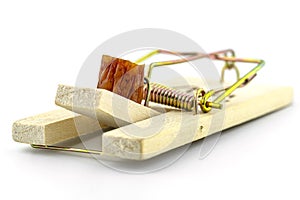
<point>43,44</point>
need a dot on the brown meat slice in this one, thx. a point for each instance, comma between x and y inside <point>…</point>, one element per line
<point>122,77</point>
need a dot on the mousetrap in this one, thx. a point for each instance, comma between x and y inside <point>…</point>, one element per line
<point>138,119</point>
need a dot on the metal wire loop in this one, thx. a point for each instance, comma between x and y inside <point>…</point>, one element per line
<point>230,60</point>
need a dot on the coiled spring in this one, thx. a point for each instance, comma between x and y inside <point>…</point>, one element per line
<point>171,97</point>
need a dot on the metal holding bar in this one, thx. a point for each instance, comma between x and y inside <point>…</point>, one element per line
<point>68,149</point>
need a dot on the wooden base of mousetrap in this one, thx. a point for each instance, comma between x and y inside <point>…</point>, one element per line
<point>159,133</point>
<point>173,129</point>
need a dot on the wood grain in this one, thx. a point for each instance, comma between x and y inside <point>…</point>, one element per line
<point>53,127</point>
<point>109,108</point>
<point>151,137</point>
<point>157,133</point>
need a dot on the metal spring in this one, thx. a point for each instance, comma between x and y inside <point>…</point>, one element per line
<point>171,97</point>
